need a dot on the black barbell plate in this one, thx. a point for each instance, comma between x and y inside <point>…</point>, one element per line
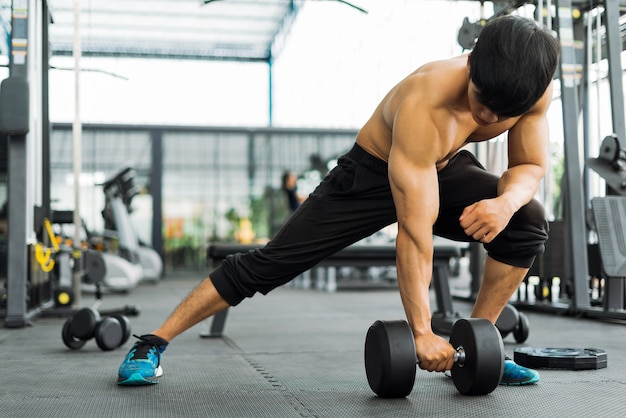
<point>108,333</point>
<point>390,359</point>
<point>68,339</point>
<point>94,267</point>
<point>561,358</point>
<point>481,371</point>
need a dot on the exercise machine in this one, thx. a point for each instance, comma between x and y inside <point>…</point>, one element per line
<point>119,191</point>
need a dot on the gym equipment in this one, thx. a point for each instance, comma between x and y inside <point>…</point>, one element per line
<point>468,33</point>
<point>609,213</point>
<point>14,106</point>
<point>63,297</point>
<point>611,164</point>
<point>119,191</point>
<point>561,358</point>
<point>390,357</point>
<point>511,320</point>
<point>110,332</point>
<point>611,151</point>
<point>112,270</point>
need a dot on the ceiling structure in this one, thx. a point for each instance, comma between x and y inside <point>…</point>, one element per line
<point>236,30</point>
<point>240,30</point>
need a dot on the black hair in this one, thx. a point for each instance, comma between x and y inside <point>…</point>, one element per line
<point>512,64</point>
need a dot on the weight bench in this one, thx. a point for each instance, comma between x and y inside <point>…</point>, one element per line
<point>609,216</point>
<point>359,256</point>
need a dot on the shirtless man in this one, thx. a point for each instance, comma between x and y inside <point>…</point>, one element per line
<point>407,166</point>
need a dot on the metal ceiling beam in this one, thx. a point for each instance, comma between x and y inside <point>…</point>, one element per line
<point>221,54</point>
<point>237,30</point>
<point>284,27</point>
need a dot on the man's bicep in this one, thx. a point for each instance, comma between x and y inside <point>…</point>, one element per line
<point>415,150</point>
<point>415,190</point>
<point>528,141</point>
<point>529,138</point>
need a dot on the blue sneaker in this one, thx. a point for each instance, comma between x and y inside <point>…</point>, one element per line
<point>142,365</point>
<point>516,375</point>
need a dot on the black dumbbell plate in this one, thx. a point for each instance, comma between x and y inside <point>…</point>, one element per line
<point>390,360</point>
<point>483,366</point>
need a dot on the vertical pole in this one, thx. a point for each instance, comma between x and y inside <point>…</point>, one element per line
<point>270,93</point>
<point>574,203</point>
<point>77,157</point>
<point>614,49</point>
<point>586,94</point>
<point>17,254</point>
<point>45,111</point>
<point>614,288</point>
<point>156,190</point>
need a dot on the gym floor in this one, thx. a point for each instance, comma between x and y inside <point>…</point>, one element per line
<point>293,353</point>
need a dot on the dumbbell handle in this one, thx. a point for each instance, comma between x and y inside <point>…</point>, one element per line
<point>459,356</point>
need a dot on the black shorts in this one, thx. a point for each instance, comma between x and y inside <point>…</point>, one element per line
<point>354,201</point>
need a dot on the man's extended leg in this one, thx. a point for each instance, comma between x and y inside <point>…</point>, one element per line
<point>202,302</point>
<point>142,365</point>
<point>500,281</point>
<point>352,202</point>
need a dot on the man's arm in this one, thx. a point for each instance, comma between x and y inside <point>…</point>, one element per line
<point>415,189</point>
<point>527,154</point>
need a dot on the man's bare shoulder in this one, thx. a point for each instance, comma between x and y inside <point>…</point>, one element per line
<point>430,93</point>
<point>432,84</point>
<point>439,66</point>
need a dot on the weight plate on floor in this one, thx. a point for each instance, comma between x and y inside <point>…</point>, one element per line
<point>108,334</point>
<point>68,339</point>
<point>561,358</point>
<point>390,360</point>
<point>481,371</point>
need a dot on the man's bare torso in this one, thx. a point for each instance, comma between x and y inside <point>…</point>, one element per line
<point>440,91</point>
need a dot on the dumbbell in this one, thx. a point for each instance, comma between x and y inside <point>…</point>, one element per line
<point>391,361</point>
<point>512,320</point>
<point>110,332</point>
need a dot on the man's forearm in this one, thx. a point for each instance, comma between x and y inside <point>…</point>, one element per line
<point>519,184</point>
<point>414,269</point>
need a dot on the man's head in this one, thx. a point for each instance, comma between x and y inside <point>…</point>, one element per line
<point>512,64</point>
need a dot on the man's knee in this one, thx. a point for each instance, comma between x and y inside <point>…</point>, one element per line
<point>532,217</point>
<point>241,275</point>
<point>524,237</point>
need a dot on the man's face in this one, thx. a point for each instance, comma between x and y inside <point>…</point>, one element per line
<point>482,114</point>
